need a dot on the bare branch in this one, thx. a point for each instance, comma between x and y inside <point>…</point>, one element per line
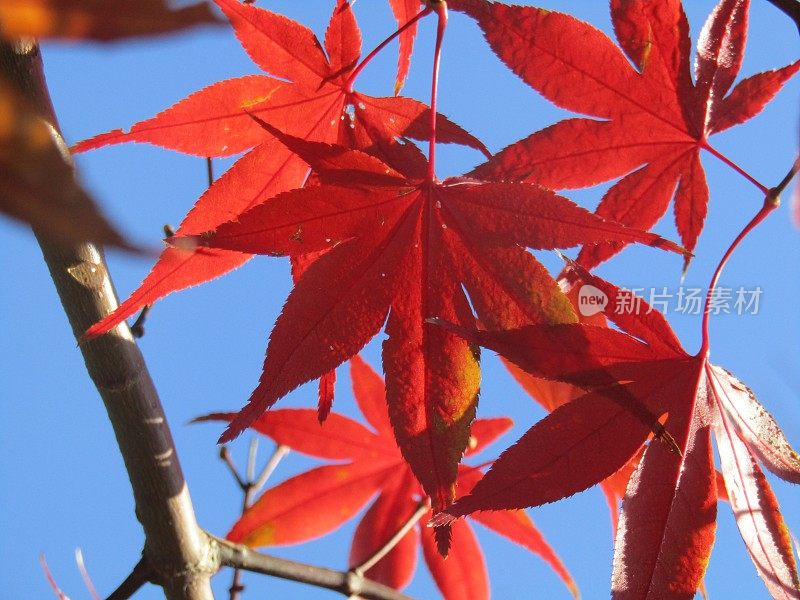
<point>347,583</point>
<point>225,456</point>
<point>140,575</point>
<point>175,547</point>
<point>787,179</point>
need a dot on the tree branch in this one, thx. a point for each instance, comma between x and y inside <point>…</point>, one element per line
<point>790,7</point>
<point>140,575</point>
<point>176,550</point>
<point>349,584</point>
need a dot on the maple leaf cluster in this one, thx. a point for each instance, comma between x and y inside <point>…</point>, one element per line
<point>290,512</point>
<point>333,179</point>
<point>636,378</point>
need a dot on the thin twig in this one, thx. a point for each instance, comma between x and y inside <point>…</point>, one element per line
<point>347,583</point>
<point>252,455</point>
<point>140,575</point>
<point>237,587</point>
<point>87,580</point>
<point>251,487</point>
<point>269,468</point>
<point>210,171</point>
<point>226,457</point>
<point>787,179</point>
<point>51,580</point>
<point>422,508</point>
<point>137,329</point>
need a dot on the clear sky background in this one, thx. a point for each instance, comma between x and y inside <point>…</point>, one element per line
<point>64,484</point>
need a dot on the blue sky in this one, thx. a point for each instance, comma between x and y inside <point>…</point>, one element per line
<point>64,482</point>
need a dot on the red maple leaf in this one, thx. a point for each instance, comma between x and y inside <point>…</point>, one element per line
<point>314,503</point>
<point>401,245</point>
<point>404,11</point>
<point>668,520</point>
<point>317,102</point>
<point>551,394</point>
<point>651,119</point>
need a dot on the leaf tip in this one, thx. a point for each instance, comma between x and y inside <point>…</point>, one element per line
<point>231,432</point>
<point>573,589</point>
<point>443,535</point>
<point>102,327</point>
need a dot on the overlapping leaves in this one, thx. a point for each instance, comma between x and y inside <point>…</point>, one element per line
<point>308,94</point>
<point>317,501</point>
<point>377,242</point>
<point>551,394</point>
<point>641,381</point>
<point>401,246</point>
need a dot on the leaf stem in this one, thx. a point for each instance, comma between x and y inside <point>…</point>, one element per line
<point>771,202</point>
<point>441,12</point>
<point>761,187</point>
<point>360,67</point>
<point>765,210</point>
<point>422,508</point>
